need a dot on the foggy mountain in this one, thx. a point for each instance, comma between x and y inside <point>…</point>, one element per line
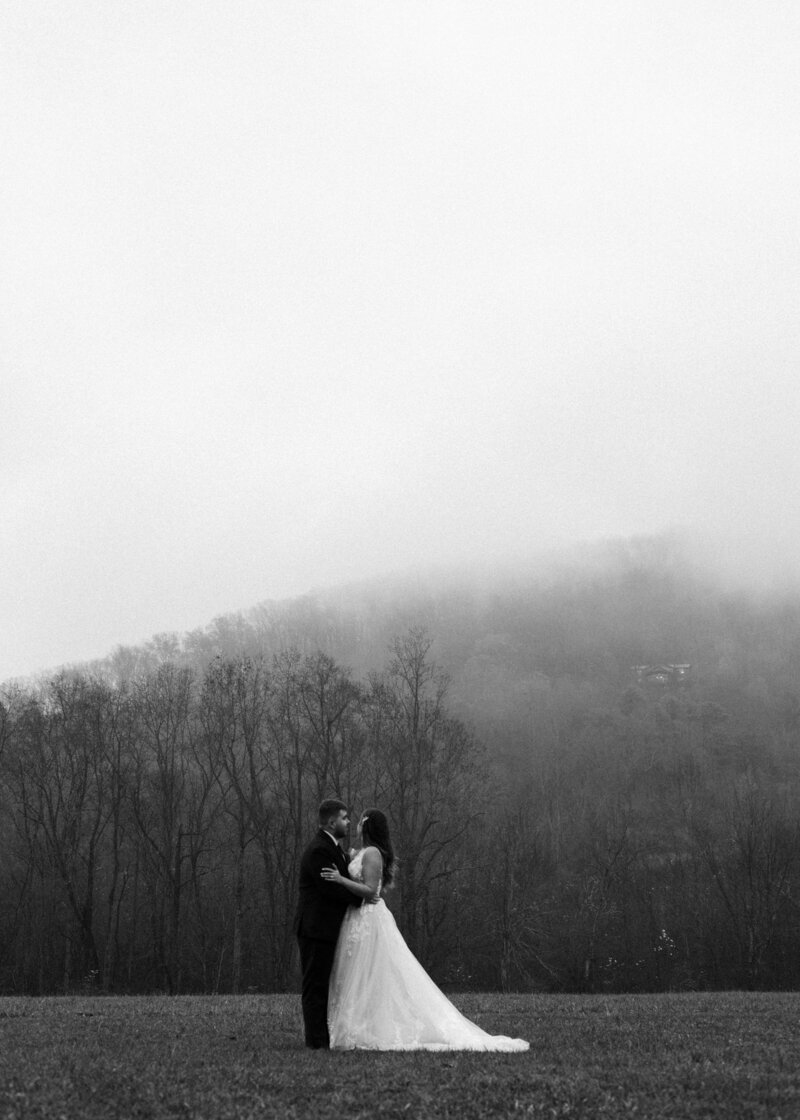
<point>570,627</point>
<point>618,723</point>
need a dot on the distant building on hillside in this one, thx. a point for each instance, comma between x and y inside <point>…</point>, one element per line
<point>661,675</point>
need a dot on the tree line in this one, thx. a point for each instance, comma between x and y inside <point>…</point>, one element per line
<point>152,828</point>
<point>560,824</point>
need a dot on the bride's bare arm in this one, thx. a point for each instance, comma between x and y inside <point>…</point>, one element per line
<point>371,869</point>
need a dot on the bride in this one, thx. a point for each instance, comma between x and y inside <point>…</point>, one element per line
<point>380,996</point>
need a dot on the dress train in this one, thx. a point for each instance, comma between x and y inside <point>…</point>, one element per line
<point>381,998</point>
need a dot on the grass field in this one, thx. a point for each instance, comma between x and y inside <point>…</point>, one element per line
<point>724,1055</point>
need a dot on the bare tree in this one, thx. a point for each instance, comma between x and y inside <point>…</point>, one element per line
<point>753,861</point>
<point>233,707</point>
<point>429,778</point>
<point>160,799</point>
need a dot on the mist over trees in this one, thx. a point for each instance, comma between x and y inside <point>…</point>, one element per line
<point>592,773</point>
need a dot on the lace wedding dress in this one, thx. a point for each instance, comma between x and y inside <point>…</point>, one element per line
<point>381,998</point>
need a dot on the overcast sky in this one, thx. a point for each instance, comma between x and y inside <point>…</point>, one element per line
<point>299,292</point>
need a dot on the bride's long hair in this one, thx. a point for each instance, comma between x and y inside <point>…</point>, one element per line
<point>375,831</point>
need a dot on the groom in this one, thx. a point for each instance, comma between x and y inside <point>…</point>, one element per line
<point>320,911</point>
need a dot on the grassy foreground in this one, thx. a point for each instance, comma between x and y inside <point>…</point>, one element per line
<point>724,1055</point>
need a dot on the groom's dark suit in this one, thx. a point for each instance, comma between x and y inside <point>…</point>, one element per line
<point>320,911</point>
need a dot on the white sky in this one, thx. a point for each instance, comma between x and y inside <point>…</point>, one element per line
<point>297,292</point>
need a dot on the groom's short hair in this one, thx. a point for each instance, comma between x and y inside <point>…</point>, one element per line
<point>329,808</point>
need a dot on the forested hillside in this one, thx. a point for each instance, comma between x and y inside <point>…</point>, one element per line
<point>592,770</point>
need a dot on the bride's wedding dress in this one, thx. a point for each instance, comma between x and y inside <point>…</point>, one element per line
<point>381,998</point>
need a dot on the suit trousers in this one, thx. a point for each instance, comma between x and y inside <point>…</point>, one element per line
<point>316,962</point>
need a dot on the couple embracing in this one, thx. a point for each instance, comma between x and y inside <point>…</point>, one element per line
<point>363,989</point>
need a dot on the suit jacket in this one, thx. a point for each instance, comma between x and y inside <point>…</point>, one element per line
<point>322,906</point>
